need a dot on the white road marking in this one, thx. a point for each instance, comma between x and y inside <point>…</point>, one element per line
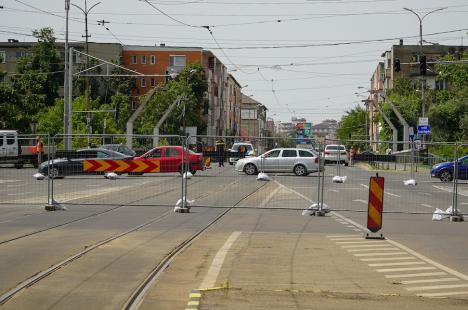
<point>19,185</point>
<point>350,226</point>
<point>342,236</point>
<point>427,206</point>
<point>436,287</point>
<point>356,229</point>
<point>430,280</point>
<point>361,200</point>
<point>380,254</point>
<point>361,242</point>
<point>396,264</point>
<point>405,269</point>
<point>369,250</point>
<point>19,194</point>
<point>364,246</point>
<point>448,189</point>
<point>334,190</point>
<point>382,259</point>
<point>347,239</point>
<point>269,197</point>
<point>414,275</point>
<point>215,268</point>
<point>363,185</point>
<point>9,181</point>
<point>442,294</point>
<point>391,194</point>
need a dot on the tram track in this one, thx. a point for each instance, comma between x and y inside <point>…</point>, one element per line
<point>131,203</point>
<point>57,266</point>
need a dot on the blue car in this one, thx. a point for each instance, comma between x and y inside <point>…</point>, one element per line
<point>444,171</point>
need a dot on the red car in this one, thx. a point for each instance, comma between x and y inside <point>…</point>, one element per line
<point>170,158</point>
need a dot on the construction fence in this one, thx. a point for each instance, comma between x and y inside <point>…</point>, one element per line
<point>225,171</point>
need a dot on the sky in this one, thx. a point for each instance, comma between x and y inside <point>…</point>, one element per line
<point>302,58</point>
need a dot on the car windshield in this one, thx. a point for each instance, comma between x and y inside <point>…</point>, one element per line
<point>335,148</point>
<point>236,147</point>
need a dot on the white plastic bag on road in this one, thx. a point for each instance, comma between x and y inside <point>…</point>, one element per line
<point>439,214</point>
<point>338,179</point>
<point>39,176</point>
<point>188,175</point>
<point>263,177</point>
<point>410,182</point>
<point>111,175</point>
<point>188,204</point>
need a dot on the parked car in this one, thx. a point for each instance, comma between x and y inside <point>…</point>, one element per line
<point>236,149</point>
<point>336,153</point>
<point>445,171</point>
<point>170,159</point>
<point>121,148</point>
<point>72,163</point>
<point>300,161</point>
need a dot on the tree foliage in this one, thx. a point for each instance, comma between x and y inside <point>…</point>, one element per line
<point>353,127</point>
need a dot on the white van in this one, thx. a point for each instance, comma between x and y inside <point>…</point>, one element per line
<point>18,150</point>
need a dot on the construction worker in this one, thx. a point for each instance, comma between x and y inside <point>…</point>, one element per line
<point>39,149</point>
<point>220,150</point>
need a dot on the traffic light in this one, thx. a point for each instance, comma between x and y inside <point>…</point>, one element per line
<point>422,65</point>
<point>397,65</point>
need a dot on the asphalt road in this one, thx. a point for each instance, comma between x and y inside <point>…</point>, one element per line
<point>276,250</point>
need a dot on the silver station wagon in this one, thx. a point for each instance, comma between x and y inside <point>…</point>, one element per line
<point>299,161</point>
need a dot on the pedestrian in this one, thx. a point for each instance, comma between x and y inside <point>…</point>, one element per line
<point>39,149</point>
<point>352,153</point>
<point>220,150</point>
<point>242,151</point>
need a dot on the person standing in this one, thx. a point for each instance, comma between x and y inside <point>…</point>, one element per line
<point>352,153</point>
<point>39,149</point>
<point>220,150</point>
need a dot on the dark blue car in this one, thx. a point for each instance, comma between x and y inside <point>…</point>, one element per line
<point>445,171</point>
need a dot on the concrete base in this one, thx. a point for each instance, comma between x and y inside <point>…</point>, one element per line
<point>54,207</point>
<point>456,218</point>
<point>320,213</point>
<point>374,236</point>
<point>183,210</point>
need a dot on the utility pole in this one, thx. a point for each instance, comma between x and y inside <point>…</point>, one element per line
<point>67,128</point>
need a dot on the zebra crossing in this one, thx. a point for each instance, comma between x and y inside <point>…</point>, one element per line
<point>417,273</point>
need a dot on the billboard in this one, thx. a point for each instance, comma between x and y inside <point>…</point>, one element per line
<point>304,133</point>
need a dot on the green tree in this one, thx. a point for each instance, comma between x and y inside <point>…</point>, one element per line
<point>189,87</point>
<point>9,102</point>
<point>353,127</point>
<point>40,77</point>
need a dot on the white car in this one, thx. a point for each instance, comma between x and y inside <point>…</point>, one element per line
<point>300,161</point>
<point>236,148</point>
<point>336,153</point>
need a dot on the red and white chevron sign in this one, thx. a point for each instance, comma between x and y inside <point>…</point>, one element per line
<point>122,166</point>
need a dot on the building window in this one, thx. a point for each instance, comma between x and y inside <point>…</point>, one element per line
<point>153,82</point>
<point>153,59</point>
<point>177,61</point>
<point>134,104</point>
<point>143,82</point>
<point>2,57</point>
<point>441,84</point>
<point>19,54</point>
<point>133,59</point>
<point>143,59</point>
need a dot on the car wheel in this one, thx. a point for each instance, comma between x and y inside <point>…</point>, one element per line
<point>193,172</point>
<point>445,176</point>
<point>231,163</point>
<point>54,173</point>
<point>250,169</point>
<point>300,170</point>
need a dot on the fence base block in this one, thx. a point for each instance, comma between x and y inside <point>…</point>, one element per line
<point>456,218</point>
<point>54,207</point>
<point>374,236</point>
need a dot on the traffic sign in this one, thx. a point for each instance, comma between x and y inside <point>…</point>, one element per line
<point>423,121</point>
<point>424,129</point>
<point>375,204</point>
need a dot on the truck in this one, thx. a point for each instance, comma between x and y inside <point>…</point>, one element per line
<point>19,149</point>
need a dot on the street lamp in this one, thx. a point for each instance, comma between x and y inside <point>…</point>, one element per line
<point>423,109</point>
<point>67,119</point>
<point>420,22</point>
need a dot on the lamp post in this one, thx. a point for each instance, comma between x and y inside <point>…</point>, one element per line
<point>423,108</point>
<point>67,128</point>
